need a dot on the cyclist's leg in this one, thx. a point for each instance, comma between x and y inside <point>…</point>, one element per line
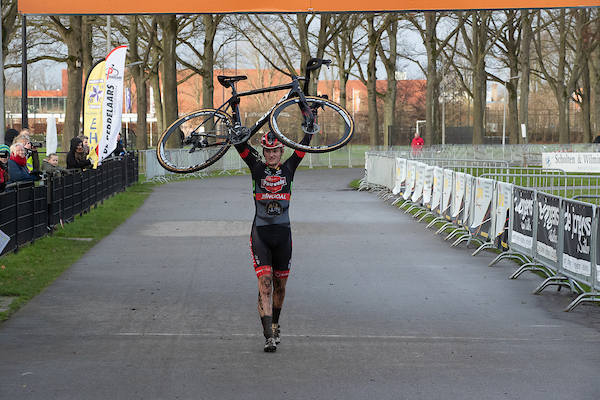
<point>282,256</point>
<point>261,258</point>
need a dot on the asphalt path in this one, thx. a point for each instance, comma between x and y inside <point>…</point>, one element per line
<point>377,307</point>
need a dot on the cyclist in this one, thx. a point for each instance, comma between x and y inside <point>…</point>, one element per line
<point>271,236</point>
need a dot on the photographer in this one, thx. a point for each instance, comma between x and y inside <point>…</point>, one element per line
<point>4,156</point>
<point>17,165</point>
<point>33,160</point>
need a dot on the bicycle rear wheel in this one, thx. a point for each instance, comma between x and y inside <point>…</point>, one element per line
<point>333,127</point>
<point>194,141</point>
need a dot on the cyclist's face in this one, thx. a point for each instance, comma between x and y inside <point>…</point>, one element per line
<point>273,156</point>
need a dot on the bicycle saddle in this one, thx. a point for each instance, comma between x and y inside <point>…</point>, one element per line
<point>226,81</point>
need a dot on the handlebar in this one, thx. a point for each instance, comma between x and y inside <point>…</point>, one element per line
<point>311,65</point>
<point>316,63</point>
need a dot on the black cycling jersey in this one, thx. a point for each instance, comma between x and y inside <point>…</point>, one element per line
<point>271,236</point>
<point>272,187</point>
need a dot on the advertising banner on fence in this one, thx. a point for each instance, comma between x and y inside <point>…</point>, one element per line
<point>482,208</point>
<point>438,187</point>
<point>419,182</point>
<point>463,217</point>
<point>411,171</point>
<point>400,176</point>
<point>572,162</point>
<point>447,193</point>
<point>458,195</point>
<point>578,237</point>
<point>522,222</point>
<point>501,217</point>
<point>548,209</point>
<point>597,246</point>
<point>428,186</point>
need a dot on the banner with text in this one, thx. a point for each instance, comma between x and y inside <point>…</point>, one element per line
<point>438,187</point>
<point>482,208</point>
<point>463,217</point>
<point>428,186</point>
<point>400,179</point>
<point>112,105</point>
<point>572,162</point>
<point>501,216</point>
<point>578,237</point>
<point>522,223</point>
<point>548,210</point>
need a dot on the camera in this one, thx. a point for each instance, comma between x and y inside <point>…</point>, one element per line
<point>36,145</point>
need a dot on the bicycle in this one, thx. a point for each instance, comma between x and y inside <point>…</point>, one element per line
<point>200,138</point>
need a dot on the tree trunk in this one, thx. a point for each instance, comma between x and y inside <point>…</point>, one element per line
<point>586,110</point>
<point>525,64</point>
<point>479,20</point>
<point>158,106</point>
<point>208,60</point>
<point>72,38</point>
<point>432,78</point>
<point>168,24</point>
<point>373,38</point>
<point>389,107</point>
<point>139,79</point>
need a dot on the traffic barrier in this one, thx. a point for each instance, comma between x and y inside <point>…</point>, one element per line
<point>547,233</point>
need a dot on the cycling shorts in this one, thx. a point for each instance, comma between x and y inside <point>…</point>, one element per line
<point>271,247</point>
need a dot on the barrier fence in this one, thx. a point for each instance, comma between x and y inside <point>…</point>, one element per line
<point>527,213</point>
<point>231,162</point>
<point>30,210</point>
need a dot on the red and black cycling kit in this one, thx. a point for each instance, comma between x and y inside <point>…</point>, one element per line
<point>271,237</point>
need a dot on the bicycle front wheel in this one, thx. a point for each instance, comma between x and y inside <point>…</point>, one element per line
<point>333,127</point>
<point>194,141</point>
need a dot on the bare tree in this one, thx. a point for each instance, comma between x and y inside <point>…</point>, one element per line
<point>435,70</point>
<point>72,37</point>
<point>559,45</point>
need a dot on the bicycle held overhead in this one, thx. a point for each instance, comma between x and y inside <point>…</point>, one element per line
<point>200,138</point>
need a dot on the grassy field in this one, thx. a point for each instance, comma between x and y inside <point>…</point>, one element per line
<point>28,272</point>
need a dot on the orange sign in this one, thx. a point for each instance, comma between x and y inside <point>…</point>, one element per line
<point>77,7</point>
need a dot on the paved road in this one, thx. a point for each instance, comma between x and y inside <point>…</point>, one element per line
<point>378,307</point>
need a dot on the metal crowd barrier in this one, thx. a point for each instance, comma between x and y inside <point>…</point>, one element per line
<point>30,210</point>
<point>552,234</point>
<point>348,157</point>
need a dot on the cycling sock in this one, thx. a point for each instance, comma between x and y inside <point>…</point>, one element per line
<point>276,313</point>
<point>267,323</point>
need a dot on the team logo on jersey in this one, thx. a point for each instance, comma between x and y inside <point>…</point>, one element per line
<point>273,184</point>
<point>274,209</point>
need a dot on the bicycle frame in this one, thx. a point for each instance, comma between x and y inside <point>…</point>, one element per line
<point>234,102</point>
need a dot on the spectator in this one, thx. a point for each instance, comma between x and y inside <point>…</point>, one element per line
<point>86,146</point>
<point>17,165</point>
<point>597,140</point>
<point>4,156</point>
<point>75,153</point>
<point>51,167</point>
<point>9,136</point>
<point>417,144</point>
<point>120,149</point>
<point>33,159</point>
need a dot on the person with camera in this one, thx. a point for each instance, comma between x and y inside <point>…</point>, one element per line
<point>4,156</point>
<point>17,165</point>
<point>33,159</point>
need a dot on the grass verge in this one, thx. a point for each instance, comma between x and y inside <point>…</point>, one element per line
<point>28,272</point>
